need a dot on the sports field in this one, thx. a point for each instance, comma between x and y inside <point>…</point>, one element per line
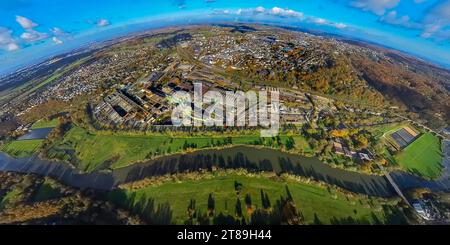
<point>423,157</point>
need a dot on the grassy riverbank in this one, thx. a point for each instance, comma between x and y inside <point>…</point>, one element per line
<point>93,149</point>
<point>317,203</point>
<point>45,123</point>
<point>21,148</point>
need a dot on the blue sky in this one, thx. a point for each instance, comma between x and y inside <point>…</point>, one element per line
<point>31,30</point>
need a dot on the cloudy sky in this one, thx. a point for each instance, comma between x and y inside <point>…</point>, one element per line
<point>31,30</point>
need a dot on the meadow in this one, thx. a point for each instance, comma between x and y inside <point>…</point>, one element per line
<point>45,123</point>
<point>381,131</point>
<point>26,148</point>
<point>122,149</point>
<point>317,204</point>
<point>21,148</point>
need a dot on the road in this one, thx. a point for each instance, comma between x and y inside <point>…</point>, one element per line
<point>421,125</point>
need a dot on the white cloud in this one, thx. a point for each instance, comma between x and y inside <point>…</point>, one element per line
<point>12,46</point>
<point>282,13</point>
<point>30,35</point>
<point>103,22</point>
<point>57,40</point>
<point>25,22</point>
<point>7,42</point>
<point>319,21</point>
<point>325,22</point>
<point>260,9</point>
<point>57,31</point>
<point>275,11</point>
<point>340,25</point>
<point>437,22</point>
<point>404,21</point>
<point>435,25</point>
<point>33,36</point>
<point>378,7</point>
<point>285,12</point>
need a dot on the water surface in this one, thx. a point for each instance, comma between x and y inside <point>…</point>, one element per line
<point>36,134</point>
<point>250,158</point>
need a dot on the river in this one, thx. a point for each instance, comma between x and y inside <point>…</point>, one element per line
<point>250,158</point>
<point>36,134</point>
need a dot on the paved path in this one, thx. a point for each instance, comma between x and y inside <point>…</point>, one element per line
<point>422,125</point>
<point>392,182</point>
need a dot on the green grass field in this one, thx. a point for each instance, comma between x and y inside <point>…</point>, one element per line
<point>94,149</point>
<point>311,199</point>
<point>21,148</point>
<point>43,123</point>
<point>423,157</point>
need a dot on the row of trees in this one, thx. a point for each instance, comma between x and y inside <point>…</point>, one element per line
<point>283,211</point>
<point>152,213</point>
